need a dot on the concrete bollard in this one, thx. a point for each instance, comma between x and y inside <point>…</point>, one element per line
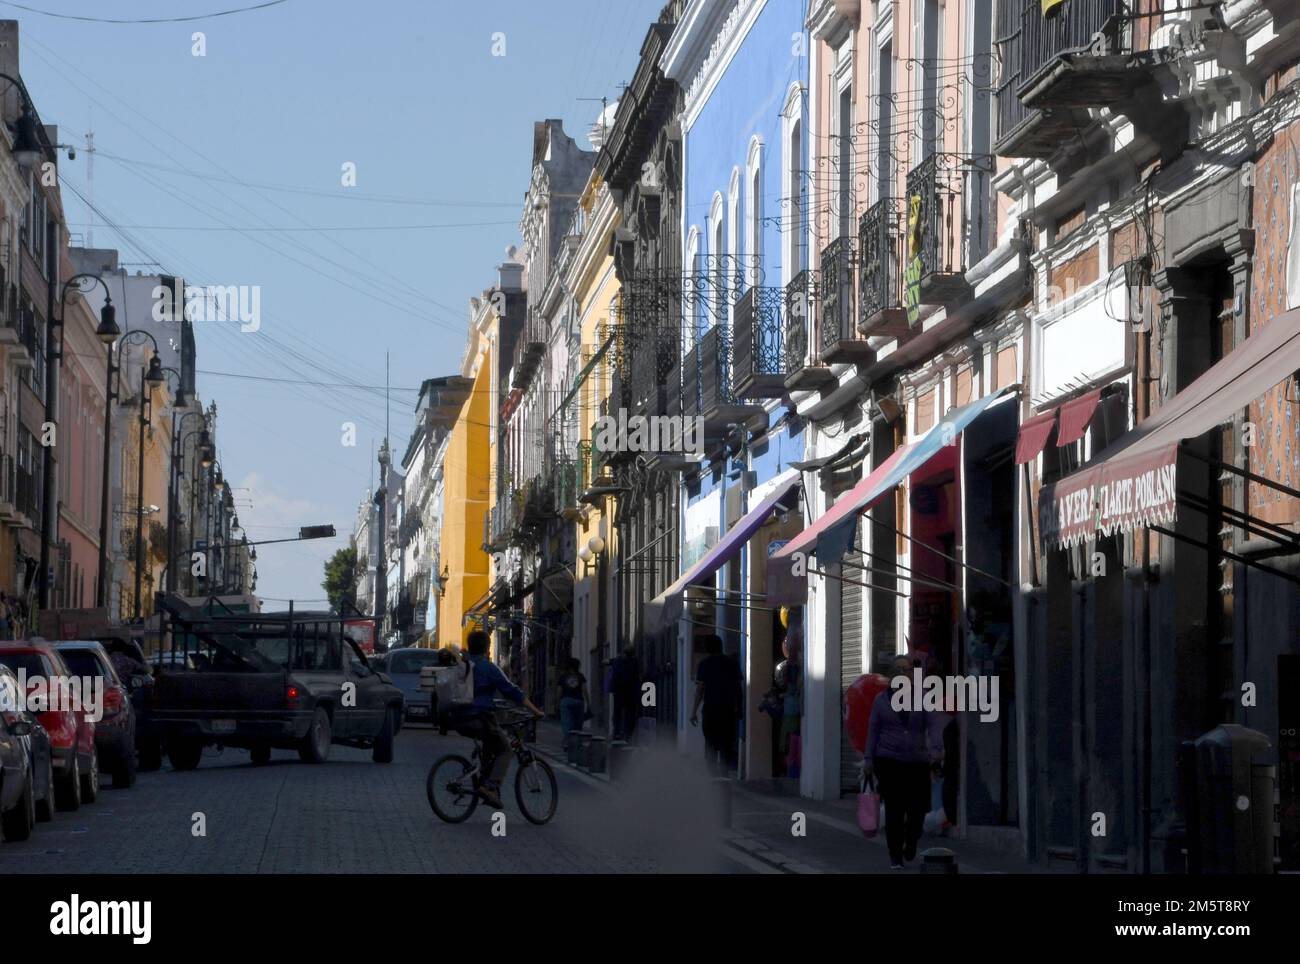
<point>595,753</point>
<point>938,860</point>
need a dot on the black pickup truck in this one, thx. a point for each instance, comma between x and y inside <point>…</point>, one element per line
<point>264,681</point>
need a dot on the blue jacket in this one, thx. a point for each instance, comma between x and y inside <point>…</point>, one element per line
<point>489,681</point>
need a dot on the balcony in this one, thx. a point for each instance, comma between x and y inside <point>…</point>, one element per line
<point>758,369</point>
<point>880,270</point>
<point>948,196</point>
<point>500,521</point>
<point>529,351</point>
<point>690,381</point>
<point>803,370</point>
<point>27,499</point>
<point>18,330</point>
<point>652,356</point>
<point>839,332</point>
<point>719,404</point>
<point>1057,65</point>
<point>8,497</point>
<point>649,312</point>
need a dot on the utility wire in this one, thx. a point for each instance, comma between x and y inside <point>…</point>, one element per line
<point>199,16</point>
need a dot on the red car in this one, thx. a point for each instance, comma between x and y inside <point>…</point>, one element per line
<point>72,731</point>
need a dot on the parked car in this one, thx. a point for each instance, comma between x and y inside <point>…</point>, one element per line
<point>115,730</point>
<point>39,747</point>
<point>72,732</point>
<point>17,797</point>
<point>403,667</point>
<point>137,672</point>
<point>269,681</point>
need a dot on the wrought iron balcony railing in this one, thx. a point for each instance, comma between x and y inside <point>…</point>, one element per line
<point>803,368</point>
<point>1028,40</point>
<point>690,380</point>
<point>715,369</point>
<point>948,200</point>
<point>529,350</point>
<point>880,269</point>
<point>840,341</point>
<point>758,369</point>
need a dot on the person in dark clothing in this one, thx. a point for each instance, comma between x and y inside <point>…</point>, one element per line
<point>625,692</point>
<point>903,747</point>
<point>572,686</point>
<point>718,690</point>
<point>478,720</point>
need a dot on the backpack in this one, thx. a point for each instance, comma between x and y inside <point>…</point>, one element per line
<point>452,686</point>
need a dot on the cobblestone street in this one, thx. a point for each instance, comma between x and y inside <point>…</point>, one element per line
<point>352,816</point>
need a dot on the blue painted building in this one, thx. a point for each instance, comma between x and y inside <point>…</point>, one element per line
<point>743,68</point>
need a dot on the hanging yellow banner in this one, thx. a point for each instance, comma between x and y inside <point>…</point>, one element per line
<point>1050,5</point>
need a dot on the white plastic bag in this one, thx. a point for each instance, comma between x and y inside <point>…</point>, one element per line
<point>453,685</point>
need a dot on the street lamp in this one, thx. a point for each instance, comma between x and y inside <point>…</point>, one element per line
<point>174,477</point>
<point>152,375</point>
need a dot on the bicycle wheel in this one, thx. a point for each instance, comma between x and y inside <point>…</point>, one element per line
<point>450,788</point>
<point>536,790</point>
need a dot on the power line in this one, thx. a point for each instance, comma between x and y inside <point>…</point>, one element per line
<point>365,227</point>
<point>347,195</point>
<point>295,381</point>
<point>200,16</point>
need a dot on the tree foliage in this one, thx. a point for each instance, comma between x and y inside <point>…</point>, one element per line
<point>340,582</point>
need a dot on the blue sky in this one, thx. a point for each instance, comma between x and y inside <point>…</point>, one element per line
<point>226,169</point>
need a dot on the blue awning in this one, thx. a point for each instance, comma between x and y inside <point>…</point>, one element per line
<point>666,608</point>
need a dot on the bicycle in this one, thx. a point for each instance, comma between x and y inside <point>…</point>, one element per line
<point>452,784</point>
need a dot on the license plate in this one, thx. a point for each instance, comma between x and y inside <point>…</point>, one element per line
<point>223,726</point>
<point>419,711</point>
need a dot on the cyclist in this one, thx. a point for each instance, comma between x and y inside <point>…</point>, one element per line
<point>478,720</point>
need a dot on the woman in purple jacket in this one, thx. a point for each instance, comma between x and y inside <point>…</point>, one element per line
<point>903,748</point>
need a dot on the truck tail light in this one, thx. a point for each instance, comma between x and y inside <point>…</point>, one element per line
<point>291,695</point>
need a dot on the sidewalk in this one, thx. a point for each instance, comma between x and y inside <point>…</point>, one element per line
<point>762,822</point>
<point>762,819</point>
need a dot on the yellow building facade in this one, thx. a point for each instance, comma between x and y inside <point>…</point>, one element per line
<point>467,493</point>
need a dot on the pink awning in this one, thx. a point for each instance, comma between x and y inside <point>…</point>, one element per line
<point>1075,416</point>
<point>1133,482</point>
<point>857,499</point>
<point>1034,433</point>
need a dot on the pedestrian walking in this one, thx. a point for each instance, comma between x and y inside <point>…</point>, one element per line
<point>904,748</point>
<point>624,688</point>
<point>718,693</point>
<point>572,686</point>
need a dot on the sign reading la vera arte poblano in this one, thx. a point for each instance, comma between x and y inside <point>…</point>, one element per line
<point>1115,496</point>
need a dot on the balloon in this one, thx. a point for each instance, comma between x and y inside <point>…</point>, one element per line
<point>858,698</point>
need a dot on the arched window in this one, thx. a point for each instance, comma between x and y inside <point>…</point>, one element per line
<point>792,187</point>
<point>692,309</point>
<point>717,258</point>
<point>754,212</point>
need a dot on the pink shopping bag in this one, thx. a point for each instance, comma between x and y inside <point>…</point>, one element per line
<point>869,810</point>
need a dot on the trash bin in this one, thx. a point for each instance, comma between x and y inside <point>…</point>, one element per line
<point>594,753</point>
<point>1230,826</point>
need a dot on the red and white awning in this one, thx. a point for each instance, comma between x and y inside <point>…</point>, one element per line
<point>1133,483</point>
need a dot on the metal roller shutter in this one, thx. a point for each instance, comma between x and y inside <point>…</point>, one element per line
<point>850,661</point>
